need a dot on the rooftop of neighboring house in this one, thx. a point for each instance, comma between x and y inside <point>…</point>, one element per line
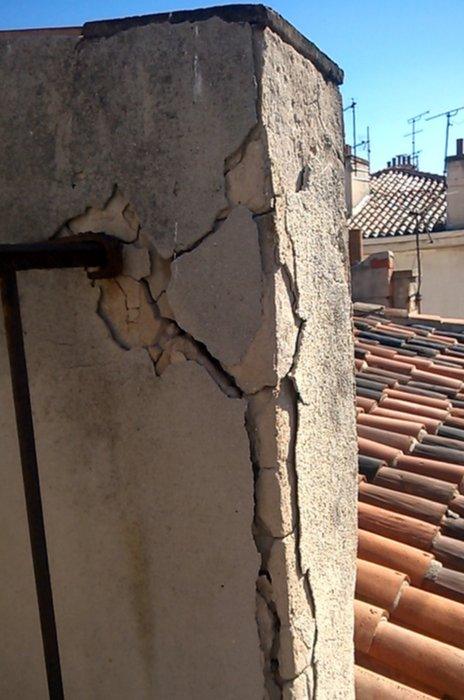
<point>410,586</point>
<point>402,200</point>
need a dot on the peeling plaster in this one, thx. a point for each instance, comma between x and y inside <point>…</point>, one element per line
<point>138,311</point>
<point>233,300</point>
<point>224,268</point>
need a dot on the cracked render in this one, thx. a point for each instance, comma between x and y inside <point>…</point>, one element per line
<point>194,415</point>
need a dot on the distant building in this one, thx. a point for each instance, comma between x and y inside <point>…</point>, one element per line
<point>399,209</point>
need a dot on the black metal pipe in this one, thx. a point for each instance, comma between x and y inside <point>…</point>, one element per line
<point>46,255</point>
<point>25,429</point>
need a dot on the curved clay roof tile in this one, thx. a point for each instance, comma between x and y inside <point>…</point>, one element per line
<point>446,471</point>
<point>397,526</point>
<point>405,503</point>
<point>432,662</point>
<point>391,424</point>
<point>446,583</point>
<point>411,561</point>
<point>372,686</point>
<point>430,614</point>
<point>367,618</point>
<point>385,437</point>
<point>431,425</point>
<point>377,450</point>
<point>418,485</point>
<point>402,394</point>
<point>449,551</point>
<point>415,408</point>
<point>379,585</point>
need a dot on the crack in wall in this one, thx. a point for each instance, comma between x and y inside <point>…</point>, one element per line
<point>286,260</point>
<point>135,309</point>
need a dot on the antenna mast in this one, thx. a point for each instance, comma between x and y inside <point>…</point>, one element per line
<point>352,106</point>
<point>365,143</point>
<point>449,115</point>
<point>413,121</point>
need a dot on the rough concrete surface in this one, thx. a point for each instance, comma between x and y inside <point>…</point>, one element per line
<point>95,117</point>
<point>302,119</point>
<point>194,415</point>
<point>215,290</point>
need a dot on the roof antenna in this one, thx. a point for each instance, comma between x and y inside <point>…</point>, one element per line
<point>352,106</point>
<point>366,143</point>
<point>449,115</point>
<point>413,121</point>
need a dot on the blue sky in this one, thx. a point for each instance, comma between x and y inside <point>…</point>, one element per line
<point>400,57</point>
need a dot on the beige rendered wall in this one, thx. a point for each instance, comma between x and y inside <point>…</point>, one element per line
<point>194,417</point>
<point>442,262</point>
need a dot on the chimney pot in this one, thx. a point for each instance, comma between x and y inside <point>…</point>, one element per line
<point>459,147</point>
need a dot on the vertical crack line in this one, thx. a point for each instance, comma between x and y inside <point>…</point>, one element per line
<point>263,580</point>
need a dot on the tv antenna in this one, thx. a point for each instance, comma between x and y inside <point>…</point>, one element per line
<point>352,106</point>
<point>449,115</point>
<point>365,143</point>
<point>413,121</point>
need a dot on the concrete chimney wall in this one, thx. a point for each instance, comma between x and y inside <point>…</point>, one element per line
<point>357,180</point>
<point>455,188</point>
<point>194,417</point>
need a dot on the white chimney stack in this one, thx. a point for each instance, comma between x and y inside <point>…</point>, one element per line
<point>455,188</point>
<point>357,180</point>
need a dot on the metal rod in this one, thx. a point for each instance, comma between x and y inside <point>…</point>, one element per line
<point>448,124</point>
<point>353,104</point>
<point>68,252</point>
<point>449,115</point>
<point>25,429</point>
<point>413,133</point>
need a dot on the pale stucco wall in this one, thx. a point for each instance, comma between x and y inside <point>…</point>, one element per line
<point>194,416</point>
<point>442,262</point>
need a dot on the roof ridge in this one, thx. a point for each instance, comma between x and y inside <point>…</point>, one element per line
<point>414,173</point>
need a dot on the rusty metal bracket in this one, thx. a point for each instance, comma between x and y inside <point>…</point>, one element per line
<point>89,250</point>
<point>102,256</point>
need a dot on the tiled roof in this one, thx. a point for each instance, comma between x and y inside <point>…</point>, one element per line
<point>401,201</point>
<point>409,607</point>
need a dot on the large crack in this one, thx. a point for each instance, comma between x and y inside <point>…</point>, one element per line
<point>172,344</point>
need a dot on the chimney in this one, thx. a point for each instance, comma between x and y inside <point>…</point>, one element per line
<point>455,188</point>
<point>355,246</point>
<point>402,161</point>
<point>357,180</point>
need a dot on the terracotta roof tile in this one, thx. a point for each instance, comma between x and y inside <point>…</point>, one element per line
<point>410,587</point>
<point>405,503</point>
<point>372,686</point>
<point>400,202</point>
<point>447,583</point>
<point>396,675</point>
<point>446,471</point>
<point>439,665</point>
<point>379,585</point>
<point>396,555</point>
<point>403,427</point>
<point>430,614</point>
<point>397,526</point>
<point>418,485</point>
